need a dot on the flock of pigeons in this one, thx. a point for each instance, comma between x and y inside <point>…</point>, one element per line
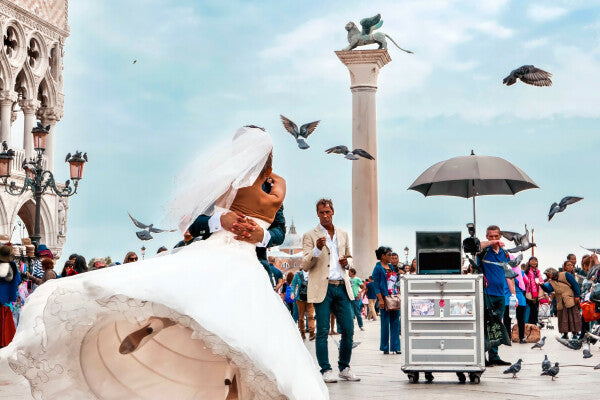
<point>307,129</point>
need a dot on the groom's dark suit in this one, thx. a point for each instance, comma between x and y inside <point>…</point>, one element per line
<point>199,228</point>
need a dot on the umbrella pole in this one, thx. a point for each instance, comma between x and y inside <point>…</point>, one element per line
<point>474,218</point>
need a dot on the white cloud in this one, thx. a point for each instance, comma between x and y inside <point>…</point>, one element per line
<point>542,13</point>
<point>535,43</point>
<point>494,29</point>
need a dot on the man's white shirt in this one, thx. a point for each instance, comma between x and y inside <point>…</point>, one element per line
<point>335,268</point>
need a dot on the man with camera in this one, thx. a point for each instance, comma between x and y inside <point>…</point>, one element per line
<point>495,280</point>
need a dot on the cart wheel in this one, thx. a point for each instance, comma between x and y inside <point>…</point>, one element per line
<point>429,377</point>
<point>461,377</point>
<point>474,377</point>
<point>413,377</point>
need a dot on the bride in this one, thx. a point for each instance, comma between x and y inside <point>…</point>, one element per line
<point>180,326</point>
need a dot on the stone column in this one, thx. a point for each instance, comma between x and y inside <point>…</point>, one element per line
<point>364,66</point>
<point>29,108</point>
<point>7,99</point>
<point>49,116</point>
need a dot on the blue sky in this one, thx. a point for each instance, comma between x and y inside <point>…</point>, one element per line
<point>207,67</point>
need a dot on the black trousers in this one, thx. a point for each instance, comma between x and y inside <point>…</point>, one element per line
<point>534,308</point>
<point>520,321</point>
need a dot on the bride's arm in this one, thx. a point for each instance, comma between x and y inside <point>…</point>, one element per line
<point>277,187</point>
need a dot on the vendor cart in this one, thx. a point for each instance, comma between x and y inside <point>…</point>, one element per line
<point>442,326</point>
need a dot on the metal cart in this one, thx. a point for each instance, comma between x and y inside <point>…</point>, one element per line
<point>442,326</point>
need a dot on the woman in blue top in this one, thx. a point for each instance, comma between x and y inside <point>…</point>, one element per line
<point>384,279</point>
<point>520,287</point>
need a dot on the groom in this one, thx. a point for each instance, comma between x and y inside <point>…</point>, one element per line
<point>245,229</point>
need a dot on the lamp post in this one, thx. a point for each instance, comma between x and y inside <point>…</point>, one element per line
<point>37,179</point>
<point>143,252</point>
<point>406,254</point>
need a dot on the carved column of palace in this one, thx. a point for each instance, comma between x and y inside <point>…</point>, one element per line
<point>7,99</point>
<point>29,108</point>
<point>50,116</point>
<point>364,66</point>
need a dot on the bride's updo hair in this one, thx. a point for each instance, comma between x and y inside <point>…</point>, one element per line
<point>268,166</point>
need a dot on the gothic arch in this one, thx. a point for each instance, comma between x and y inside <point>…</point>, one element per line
<point>25,82</point>
<point>26,211</point>
<point>46,93</point>
<point>5,73</point>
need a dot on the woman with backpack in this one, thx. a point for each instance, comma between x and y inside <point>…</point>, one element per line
<point>287,292</point>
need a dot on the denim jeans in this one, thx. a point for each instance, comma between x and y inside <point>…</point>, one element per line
<point>337,302</point>
<point>390,330</point>
<point>357,311</point>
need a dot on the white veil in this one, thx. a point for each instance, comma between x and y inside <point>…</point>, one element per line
<point>218,174</point>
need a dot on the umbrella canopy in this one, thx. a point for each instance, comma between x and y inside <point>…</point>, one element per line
<point>471,176</point>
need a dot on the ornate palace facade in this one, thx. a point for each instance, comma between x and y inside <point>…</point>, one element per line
<point>31,83</point>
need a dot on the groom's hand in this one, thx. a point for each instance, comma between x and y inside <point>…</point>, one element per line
<point>229,219</point>
<point>249,231</point>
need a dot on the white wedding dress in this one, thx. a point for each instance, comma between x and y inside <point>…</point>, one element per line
<point>230,323</point>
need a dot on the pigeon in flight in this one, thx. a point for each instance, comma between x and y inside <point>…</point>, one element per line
<point>596,251</point>
<point>573,344</point>
<point>521,241</point>
<point>529,75</point>
<point>338,344</point>
<point>560,207</point>
<point>552,371</point>
<point>302,134</point>
<point>546,364</point>
<point>134,61</point>
<point>514,369</point>
<point>147,229</point>
<point>539,344</point>
<point>350,155</point>
<point>508,266</point>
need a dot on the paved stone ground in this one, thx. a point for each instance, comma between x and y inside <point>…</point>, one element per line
<point>382,377</point>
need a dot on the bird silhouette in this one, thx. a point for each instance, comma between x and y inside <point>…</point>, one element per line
<point>145,234</point>
<point>529,75</point>
<point>552,371</point>
<point>521,241</point>
<point>508,266</point>
<point>514,369</point>
<point>539,344</point>
<point>350,155</point>
<point>560,207</point>
<point>134,61</point>
<point>299,134</point>
<point>546,364</point>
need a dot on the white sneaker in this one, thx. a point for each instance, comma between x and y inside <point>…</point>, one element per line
<point>348,375</point>
<point>328,377</point>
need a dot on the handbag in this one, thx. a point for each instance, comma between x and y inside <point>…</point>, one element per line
<point>392,302</point>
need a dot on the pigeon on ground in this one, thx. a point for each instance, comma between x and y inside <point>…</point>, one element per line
<point>529,75</point>
<point>573,344</point>
<point>508,266</point>
<point>145,234</point>
<point>552,371</point>
<point>514,369</point>
<point>521,241</point>
<point>338,344</point>
<point>560,207</point>
<point>546,364</point>
<point>539,344</point>
<point>350,155</point>
<point>299,134</point>
<point>586,350</point>
<point>597,366</point>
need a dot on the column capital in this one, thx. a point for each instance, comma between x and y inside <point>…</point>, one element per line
<point>29,106</point>
<point>49,115</point>
<point>364,66</point>
<point>8,97</point>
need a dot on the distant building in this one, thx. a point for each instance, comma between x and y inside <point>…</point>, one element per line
<point>288,257</point>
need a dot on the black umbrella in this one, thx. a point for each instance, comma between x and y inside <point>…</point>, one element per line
<point>471,176</point>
